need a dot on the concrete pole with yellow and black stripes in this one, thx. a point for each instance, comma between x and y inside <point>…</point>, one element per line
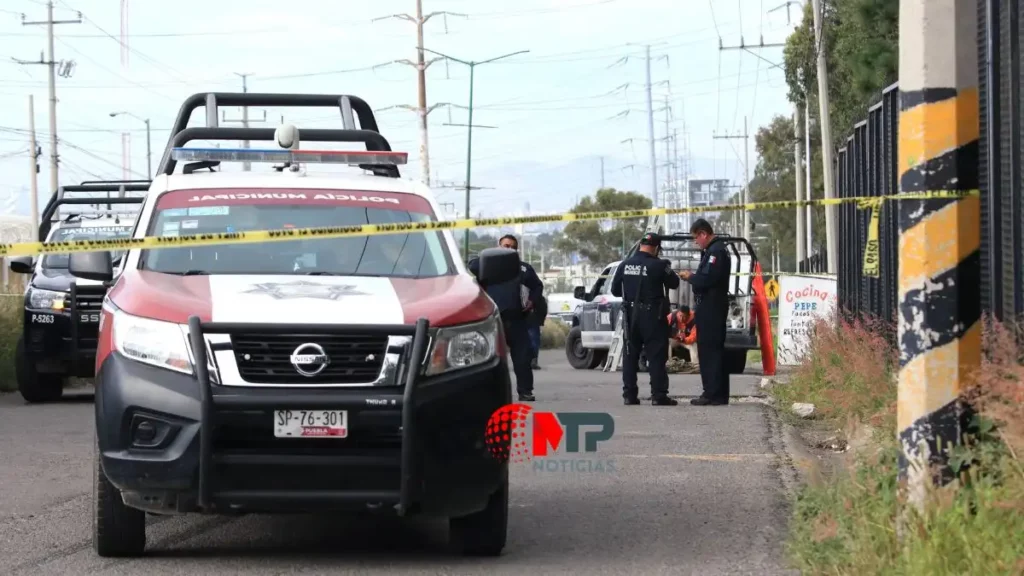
<point>939,264</point>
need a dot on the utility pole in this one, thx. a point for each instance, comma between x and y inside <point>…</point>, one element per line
<point>746,167</point>
<point>748,48</point>
<point>149,141</point>
<point>421,66</point>
<point>831,237</point>
<point>245,120</point>
<point>602,172</point>
<point>675,181</point>
<point>469,125</point>
<point>809,170</point>
<point>650,133</point>
<point>940,325</point>
<point>51,64</point>
<point>798,159</point>
<point>668,144</point>
<point>33,158</point>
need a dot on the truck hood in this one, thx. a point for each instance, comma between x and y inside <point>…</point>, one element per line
<point>444,301</point>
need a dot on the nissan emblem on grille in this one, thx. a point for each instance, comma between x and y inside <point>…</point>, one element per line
<point>309,359</point>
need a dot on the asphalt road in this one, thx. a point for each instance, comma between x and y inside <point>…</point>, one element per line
<point>696,490</point>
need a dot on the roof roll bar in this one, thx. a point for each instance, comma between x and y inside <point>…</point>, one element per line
<point>46,219</point>
<point>349,106</point>
<point>374,141</point>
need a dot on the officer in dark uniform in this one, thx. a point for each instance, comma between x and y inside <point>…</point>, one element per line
<point>710,285</point>
<point>515,311</point>
<point>640,281</point>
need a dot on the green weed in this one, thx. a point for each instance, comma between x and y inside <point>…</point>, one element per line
<point>849,525</point>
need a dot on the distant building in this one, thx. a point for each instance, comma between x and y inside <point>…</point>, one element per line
<point>695,193</point>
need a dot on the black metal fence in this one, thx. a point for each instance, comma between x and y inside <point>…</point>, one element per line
<point>866,166</point>
<point>1000,155</point>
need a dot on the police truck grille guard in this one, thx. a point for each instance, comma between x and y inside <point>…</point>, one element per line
<point>83,304</point>
<point>285,397</point>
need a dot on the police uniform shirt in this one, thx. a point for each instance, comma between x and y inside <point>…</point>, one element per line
<point>710,285</point>
<point>713,270</point>
<point>642,278</point>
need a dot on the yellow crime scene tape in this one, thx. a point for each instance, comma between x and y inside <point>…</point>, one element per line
<point>257,236</point>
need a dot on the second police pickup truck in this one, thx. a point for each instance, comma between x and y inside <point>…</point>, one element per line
<point>58,340</point>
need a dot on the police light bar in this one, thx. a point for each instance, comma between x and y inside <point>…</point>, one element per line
<point>280,156</point>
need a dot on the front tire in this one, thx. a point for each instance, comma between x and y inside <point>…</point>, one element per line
<point>117,530</point>
<point>483,533</point>
<point>579,357</point>
<point>33,386</point>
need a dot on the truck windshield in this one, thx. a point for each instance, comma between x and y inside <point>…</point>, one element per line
<point>188,212</point>
<point>67,233</point>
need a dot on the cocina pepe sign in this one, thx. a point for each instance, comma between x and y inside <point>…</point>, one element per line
<point>803,300</point>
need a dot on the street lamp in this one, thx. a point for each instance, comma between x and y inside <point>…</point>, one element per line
<point>149,148</point>
<point>469,125</point>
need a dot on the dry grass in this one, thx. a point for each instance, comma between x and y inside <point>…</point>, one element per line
<point>10,330</point>
<point>848,372</point>
<point>553,334</point>
<point>998,390</point>
<point>848,525</point>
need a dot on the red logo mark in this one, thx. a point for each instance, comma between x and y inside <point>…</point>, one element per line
<point>506,433</point>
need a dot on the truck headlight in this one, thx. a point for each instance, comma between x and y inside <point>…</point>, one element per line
<point>39,299</point>
<point>154,342</point>
<point>463,346</point>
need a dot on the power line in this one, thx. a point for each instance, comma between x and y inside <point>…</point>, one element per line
<point>66,70</point>
<point>159,65</point>
<point>421,65</point>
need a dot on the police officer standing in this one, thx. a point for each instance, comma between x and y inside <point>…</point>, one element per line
<point>515,310</point>
<point>640,281</point>
<point>710,285</point>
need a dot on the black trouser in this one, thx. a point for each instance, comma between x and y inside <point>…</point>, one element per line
<point>714,374</point>
<point>646,332</point>
<point>517,337</point>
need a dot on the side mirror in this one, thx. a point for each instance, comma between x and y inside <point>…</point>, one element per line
<point>498,265</point>
<point>21,265</point>
<point>579,293</point>
<point>91,265</point>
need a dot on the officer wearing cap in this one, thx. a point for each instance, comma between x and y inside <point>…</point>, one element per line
<point>641,281</point>
<point>710,285</point>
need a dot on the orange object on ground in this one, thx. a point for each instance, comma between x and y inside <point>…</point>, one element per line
<point>760,314</point>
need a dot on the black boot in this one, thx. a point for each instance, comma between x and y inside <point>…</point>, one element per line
<point>631,401</point>
<point>704,401</point>
<point>664,401</point>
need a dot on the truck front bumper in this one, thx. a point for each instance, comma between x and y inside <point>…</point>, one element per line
<point>174,442</point>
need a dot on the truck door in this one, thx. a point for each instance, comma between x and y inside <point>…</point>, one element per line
<point>598,318</point>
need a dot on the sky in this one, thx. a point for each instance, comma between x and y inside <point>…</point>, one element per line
<point>576,97</point>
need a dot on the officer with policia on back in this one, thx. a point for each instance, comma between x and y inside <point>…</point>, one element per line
<point>641,281</point>
<point>710,285</point>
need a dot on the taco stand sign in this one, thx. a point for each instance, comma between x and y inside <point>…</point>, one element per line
<point>802,301</point>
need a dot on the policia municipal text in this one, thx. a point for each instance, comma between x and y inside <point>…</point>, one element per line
<point>641,281</point>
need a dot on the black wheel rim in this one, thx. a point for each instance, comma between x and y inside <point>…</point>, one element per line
<point>577,348</point>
